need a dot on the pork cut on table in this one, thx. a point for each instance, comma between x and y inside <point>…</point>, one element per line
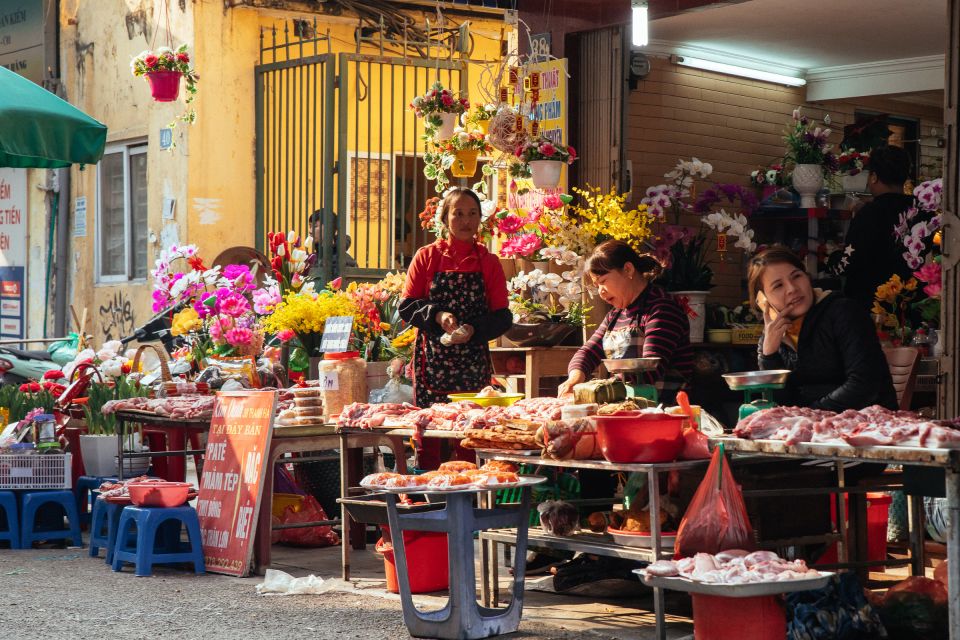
<point>869,427</point>
<point>734,567</point>
<point>176,407</point>
<point>459,416</point>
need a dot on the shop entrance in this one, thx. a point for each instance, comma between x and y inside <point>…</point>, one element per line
<point>335,136</point>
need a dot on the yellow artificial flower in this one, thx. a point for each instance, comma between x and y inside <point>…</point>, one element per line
<point>604,216</point>
<point>911,284</point>
<point>184,322</point>
<point>405,338</point>
<point>303,313</point>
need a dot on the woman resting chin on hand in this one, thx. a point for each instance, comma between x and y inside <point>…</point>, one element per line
<point>827,341</point>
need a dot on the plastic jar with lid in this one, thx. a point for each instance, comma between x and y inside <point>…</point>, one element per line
<point>343,380</point>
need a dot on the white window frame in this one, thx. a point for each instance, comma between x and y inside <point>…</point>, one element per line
<point>128,149</point>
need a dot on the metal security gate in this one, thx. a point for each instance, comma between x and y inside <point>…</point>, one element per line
<point>335,134</point>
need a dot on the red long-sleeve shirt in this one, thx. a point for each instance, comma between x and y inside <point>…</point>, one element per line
<point>457,255</point>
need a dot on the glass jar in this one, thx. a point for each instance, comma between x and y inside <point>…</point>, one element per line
<point>45,431</point>
<point>343,380</point>
<point>922,342</point>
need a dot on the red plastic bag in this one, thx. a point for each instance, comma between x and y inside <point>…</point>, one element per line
<point>309,511</point>
<point>695,445</point>
<point>716,519</point>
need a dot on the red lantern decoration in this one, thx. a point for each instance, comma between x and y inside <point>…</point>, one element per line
<point>722,245</point>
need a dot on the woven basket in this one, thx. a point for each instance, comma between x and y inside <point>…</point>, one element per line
<point>164,368</point>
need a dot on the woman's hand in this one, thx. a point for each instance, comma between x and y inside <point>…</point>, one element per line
<point>447,321</point>
<point>774,330</point>
<point>576,377</point>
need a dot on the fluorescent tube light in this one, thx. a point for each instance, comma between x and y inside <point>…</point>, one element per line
<point>730,69</point>
<point>640,32</point>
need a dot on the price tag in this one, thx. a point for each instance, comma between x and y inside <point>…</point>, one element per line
<point>336,334</point>
<point>329,381</point>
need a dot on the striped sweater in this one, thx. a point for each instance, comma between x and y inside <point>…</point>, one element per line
<point>658,323</point>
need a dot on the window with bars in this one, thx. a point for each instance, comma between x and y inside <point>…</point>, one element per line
<point>122,213</point>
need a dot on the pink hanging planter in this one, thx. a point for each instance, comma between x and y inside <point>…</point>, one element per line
<point>164,85</point>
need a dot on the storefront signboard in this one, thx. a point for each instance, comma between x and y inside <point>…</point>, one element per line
<point>232,483</point>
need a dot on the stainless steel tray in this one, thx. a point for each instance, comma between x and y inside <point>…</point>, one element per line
<point>749,379</point>
<point>735,590</point>
<point>630,365</point>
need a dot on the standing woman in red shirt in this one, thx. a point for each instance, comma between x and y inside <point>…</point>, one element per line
<point>456,296</point>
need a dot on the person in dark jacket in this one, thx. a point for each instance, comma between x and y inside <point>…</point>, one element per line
<point>826,340</point>
<point>877,253</point>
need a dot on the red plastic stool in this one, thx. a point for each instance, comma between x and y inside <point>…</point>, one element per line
<point>719,618</point>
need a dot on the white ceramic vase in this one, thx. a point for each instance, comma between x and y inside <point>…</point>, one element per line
<point>855,184</point>
<point>807,180</point>
<point>697,301</point>
<point>545,173</point>
<point>445,132</point>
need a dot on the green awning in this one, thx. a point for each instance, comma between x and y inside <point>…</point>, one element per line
<point>39,130</point>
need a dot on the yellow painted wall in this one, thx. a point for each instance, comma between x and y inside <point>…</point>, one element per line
<point>211,173</point>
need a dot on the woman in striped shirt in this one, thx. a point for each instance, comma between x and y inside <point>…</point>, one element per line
<point>645,321</point>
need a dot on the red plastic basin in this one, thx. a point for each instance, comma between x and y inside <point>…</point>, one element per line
<point>632,436</point>
<point>158,494</point>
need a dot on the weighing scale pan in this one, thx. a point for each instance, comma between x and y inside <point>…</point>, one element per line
<point>630,365</point>
<point>753,379</point>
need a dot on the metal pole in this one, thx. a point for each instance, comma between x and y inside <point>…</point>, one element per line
<point>953,551</point>
<point>61,259</point>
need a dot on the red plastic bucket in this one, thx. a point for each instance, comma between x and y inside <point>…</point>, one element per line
<point>878,510</point>
<point>427,562</point>
<point>719,618</point>
<point>164,85</point>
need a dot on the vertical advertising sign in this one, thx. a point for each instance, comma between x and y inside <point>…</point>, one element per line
<point>13,251</point>
<point>231,486</point>
<point>542,88</point>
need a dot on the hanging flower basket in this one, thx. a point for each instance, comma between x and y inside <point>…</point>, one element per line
<point>164,85</point>
<point>545,173</point>
<point>464,163</point>
<point>448,123</point>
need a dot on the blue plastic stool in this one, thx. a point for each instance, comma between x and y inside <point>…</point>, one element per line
<point>8,502</point>
<point>87,492</point>
<point>103,528</point>
<point>144,555</point>
<point>32,501</point>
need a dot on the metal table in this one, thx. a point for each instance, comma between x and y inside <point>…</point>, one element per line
<point>946,459</point>
<point>350,440</point>
<point>597,544</point>
<point>175,427</point>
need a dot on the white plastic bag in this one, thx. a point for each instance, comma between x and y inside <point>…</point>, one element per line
<point>284,584</point>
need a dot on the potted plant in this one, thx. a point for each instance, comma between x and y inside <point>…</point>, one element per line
<point>768,179</point>
<point>440,110</point>
<point>545,158</point>
<point>481,116</point>
<point>163,70</point>
<point>852,165</point>
<point>458,154</point>
<point>99,446</point>
<point>809,151</point>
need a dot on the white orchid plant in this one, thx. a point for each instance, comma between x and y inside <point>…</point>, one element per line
<point>552,295</point>
<point>672,196</point>
<point>735,225</point>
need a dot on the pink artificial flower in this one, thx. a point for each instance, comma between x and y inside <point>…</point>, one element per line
<point>286,335</point>
<point>219,327</point>
<point>547,149</point>
<point>240,275</point>
<point>521,246</point>
<point>233,305</point>
<point>447,100</point>
<point>511,223</point>
<point>239,337</point>
<point>553,202</point>
<point>335,284</point>
<point>183,57</point>
<point>264,300</point>
<point>931,274</point>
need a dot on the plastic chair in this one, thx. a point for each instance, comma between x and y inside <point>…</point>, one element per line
<point>903,363</point>
<point>32,501</point>
<point>87,490</point>
<point>103,528</point>
<point>8,502</point>
<point>145,554</point>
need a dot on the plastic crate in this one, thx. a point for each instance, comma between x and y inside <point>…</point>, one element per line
<point>35,471</point>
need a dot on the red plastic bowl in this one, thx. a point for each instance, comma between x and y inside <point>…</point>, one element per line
<point>159,494</point>
<point>631,436</point>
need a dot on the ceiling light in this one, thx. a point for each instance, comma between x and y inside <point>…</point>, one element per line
<point>640,34</point>
<point>733,70</point>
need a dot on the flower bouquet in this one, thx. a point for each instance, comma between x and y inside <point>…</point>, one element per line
<point>809,152</point>
<point>440,110</point>
<point>852,165</point>
<point>772,176</point>
<point>919,229</point>
<point>290,259</point>
<point>891,309</point>
<point>163,70</point>
<point>541,159</point>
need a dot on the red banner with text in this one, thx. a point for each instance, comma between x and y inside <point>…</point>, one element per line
<point>232,481</point>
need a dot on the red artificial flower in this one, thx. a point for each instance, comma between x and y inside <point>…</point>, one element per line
<point>196,263</point>
<point>24,388</point>
<point>572,152</point>
<point>183,57</point>
<point>126,368</point>
<point>277,264</point>
<point>335,284</point>
<point>150,61</point>
<point>53,374</point>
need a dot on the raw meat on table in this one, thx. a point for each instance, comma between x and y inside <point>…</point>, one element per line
<point>734,566</point>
